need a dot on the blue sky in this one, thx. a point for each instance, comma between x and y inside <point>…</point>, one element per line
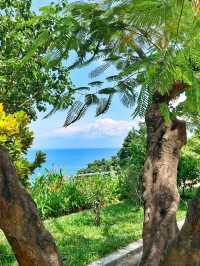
<point>107,130</point>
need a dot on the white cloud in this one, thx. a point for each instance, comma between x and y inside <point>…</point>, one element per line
<point>100,128</point>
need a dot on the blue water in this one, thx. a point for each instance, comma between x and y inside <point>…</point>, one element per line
<point>71,160</point>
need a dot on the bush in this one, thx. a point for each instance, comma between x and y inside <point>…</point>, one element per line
<point>56,196</point>
<point>98,191</point>
<point>17,138</point>
<point>131,159</point>
<point>131,187</point>
<point>188,172</point>
<point>128,164</point>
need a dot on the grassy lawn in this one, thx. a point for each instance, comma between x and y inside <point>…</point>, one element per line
<point>80,242</point>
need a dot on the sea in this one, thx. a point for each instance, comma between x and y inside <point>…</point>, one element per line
<point>69,161</point>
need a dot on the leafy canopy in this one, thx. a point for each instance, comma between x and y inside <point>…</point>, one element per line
<point>153,45</point>
<point>26,83</point>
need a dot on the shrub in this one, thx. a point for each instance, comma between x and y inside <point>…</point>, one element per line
<point>17,138</point>
<point>188,171</point>
<point>131,159</point>
<point>131,187</point>
<point>98,191</point>
<point>56,196</point>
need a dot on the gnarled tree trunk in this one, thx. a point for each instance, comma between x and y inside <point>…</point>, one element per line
<point>185,249</point>
<point>160,186</point>
<point>31,242</point>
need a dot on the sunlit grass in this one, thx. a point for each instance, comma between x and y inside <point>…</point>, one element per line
<point>81,242</point>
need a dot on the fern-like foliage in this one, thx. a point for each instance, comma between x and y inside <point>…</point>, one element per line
<point>77,110</point>
<point>144,100</point>
<point>150,46</point>
<point>103,105</point>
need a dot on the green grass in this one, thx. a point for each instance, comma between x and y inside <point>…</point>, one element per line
<point>81,242</point>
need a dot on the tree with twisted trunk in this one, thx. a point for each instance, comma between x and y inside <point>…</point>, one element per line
<point>153,47</point>
<point>26,85</point>
<point>31,242</point>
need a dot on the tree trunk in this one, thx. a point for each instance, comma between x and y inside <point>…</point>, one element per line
<point>31,242</point>
<point>161,197</point>
<point>185,249</point>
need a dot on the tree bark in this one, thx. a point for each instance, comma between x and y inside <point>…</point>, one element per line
<point>185,249</point>
<point>31,242</point>
<point>161,197</point>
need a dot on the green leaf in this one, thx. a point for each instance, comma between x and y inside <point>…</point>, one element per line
<point>91,99</point>
<point>95,83</point>
<point>103,105</point>
<point>39,42</point>
<point>113,78</point>
<point>100,70</point>
<point>77,111</point>
<point>82,88</point>
<point>107,91</point>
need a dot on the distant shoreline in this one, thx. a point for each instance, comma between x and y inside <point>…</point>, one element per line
<point>71,160</point>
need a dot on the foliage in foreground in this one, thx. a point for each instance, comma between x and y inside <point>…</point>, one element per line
<point>17,138</point>
<point>27,84</point>
<point>56,196</point>
<point>121,224</point>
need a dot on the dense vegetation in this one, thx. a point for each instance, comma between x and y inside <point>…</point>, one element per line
<point>128,164</point>
<point>112,180</point>
<point>27,87</point>
<point>55,196</point>
<point>154,48</point>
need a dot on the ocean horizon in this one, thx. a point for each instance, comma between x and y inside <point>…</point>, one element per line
<point>69,161</point>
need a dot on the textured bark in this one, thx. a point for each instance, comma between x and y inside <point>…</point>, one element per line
<point>160,187</point>
<point>31,242</point>
<point>185,249</point>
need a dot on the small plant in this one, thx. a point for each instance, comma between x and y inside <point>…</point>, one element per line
<point>99,191</point>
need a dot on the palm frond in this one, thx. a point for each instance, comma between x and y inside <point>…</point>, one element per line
<point>128,97</point>
<point>113,78</point>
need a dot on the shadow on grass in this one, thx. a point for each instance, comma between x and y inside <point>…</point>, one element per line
<point>81,242</point>
<point>80,250</point>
